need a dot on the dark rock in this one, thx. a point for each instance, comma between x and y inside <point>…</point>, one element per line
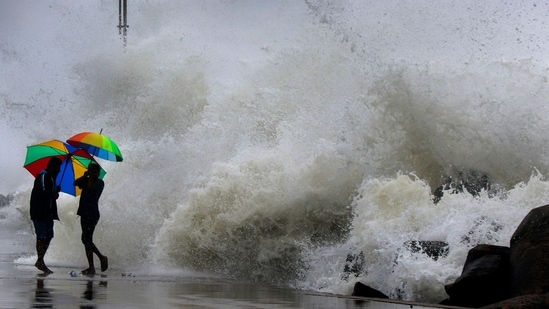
<point>484,226</point>
<point>530,254</point>
<point>433,248</point>
<point>535,301</point>
<point>482,250</point>
<point>485,278</point>
<point>363,290</point>
<point>471,181</point>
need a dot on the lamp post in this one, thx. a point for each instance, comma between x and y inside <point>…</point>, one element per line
<point>123,19</point>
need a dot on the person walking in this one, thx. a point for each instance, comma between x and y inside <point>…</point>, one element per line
<point>43,209</point>
<point>88,210</point>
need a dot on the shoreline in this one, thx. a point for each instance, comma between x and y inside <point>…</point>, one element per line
<point>23,286</point>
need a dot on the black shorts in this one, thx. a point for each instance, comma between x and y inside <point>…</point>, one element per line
<point>43,228</point>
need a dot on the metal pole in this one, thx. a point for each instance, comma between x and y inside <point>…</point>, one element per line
<point>125,17</point>
<point>119,17</point>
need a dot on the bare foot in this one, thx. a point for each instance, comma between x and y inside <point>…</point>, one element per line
<point>42,266</point>
<point>88,272</point>
<point>104,263</point>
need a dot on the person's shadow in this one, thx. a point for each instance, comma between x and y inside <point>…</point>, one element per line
<point>42,296</point>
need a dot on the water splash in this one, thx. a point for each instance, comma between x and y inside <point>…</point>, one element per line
<point>269,155</point>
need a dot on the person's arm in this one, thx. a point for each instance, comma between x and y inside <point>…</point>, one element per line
<point>41,191</point>
<point>81,182</point>
<point>40,197</point>
<point>49,189</point>
<point>55,193</point>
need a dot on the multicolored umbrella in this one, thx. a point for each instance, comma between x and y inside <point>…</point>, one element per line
<point>97,145</point>
<point>75,163</point>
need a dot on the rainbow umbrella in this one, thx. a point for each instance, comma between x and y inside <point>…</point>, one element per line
<point>97,145</point>
<point>75,163</point>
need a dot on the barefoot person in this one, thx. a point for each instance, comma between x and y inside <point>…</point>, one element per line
<point>88,210</point>
<point>43,209</point>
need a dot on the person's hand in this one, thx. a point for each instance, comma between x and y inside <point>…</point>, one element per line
<point>56,195</point>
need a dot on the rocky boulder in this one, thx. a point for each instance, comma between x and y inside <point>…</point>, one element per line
<point>530,254</point>
<point>432,248</point>
<point>363,290</point>
<point>485,278</point>
<point>514,277</point>
<point>536,301</point>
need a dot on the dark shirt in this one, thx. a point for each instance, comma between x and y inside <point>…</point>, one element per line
<point>43,205</point>
<point>89,199</point>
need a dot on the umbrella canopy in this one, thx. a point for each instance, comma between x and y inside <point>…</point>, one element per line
<point>75,163</point>
<point>97,144</point>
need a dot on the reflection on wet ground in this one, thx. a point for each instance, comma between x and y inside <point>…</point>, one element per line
<point>49,297</point>
<point>42,297</point>
<point>90,293</point>
<point>61,291</point>
<point>164,292</point>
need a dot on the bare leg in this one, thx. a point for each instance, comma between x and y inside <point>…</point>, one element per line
<point>91,268</point>
<point>90,250</point>
<point>88,228</point>
<point>41,248</point>
<point>102,258</point>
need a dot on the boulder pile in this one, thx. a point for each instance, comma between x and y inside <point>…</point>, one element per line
<point>503,277</point>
